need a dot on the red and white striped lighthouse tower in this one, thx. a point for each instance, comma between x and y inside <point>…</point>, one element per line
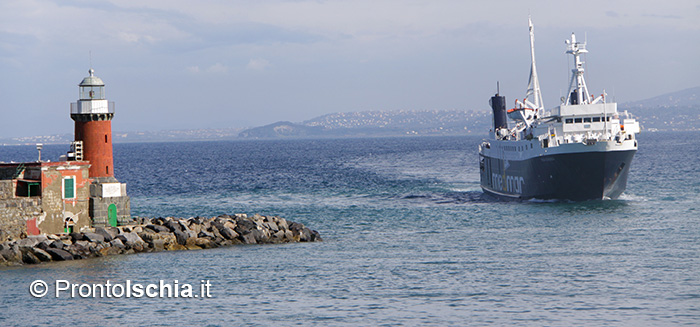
<point>93,126</point>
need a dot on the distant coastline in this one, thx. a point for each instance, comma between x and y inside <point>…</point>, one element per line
<point>676,111</point>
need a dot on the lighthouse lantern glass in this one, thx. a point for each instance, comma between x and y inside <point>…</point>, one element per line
<point>92,93</point>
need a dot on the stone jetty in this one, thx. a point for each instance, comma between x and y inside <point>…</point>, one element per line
<point>155,234</point>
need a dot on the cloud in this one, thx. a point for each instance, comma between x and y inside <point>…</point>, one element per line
<point>662,16</point>
<point>217,68</point>
<point>258,64</point>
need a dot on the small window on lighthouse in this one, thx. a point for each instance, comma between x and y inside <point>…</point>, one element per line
<point>106,138</point>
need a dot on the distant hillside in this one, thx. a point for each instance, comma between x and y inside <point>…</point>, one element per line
<point>281,129</point>
<point>685,98</point>
<point>379,123</point>
<point>676,111</point>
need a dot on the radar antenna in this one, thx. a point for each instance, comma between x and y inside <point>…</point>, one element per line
<point>578,92</point>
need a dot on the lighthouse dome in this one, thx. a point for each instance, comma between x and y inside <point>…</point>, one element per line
<point>92,80</point>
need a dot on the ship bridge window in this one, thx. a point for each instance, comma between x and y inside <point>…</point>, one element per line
<point>596,119</point>
<point>569,120</point>
<point>587,120</point>
<point>578,120</point>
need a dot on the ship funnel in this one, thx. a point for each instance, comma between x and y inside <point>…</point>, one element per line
<point>498,104</point>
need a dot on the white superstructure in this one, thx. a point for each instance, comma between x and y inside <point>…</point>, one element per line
<point>580,117</point>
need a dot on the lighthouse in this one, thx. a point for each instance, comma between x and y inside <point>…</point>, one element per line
<point>93,126</point>
<point>92,113</point>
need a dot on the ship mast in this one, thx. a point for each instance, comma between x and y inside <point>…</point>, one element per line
<point>533,85</point>
<point>578,92</point>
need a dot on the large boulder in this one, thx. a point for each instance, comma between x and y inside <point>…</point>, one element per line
<point>59,254</point>
<point>159,221</point>
<point>75,236</point>
<point>131,239</point>
<point>316,236</point>
<point>205,234</point>
<point>173,225</point>
<point>44,244</point>
<point>57,245</point>
<point>107,235</point>
<point>271,225</point>
<point>41,254</point>
<point>184,227</point>
<point>281,223</point>
<point>181,237</point>
<point>170,242</point>
<point>157,245</point>
<point>117,243</point>
<point>28,257</point>
<point>31,240</point>
<point>260,236</point>
<point>11,253</point>
<point>227,233</point>
<point>244,226</point>
<point>277,237</point>
<point>305,235</point>
<point>95,237</point>
<point>204,243</point>
<point>82,250</point>
<point>230,223</point>
<point>158,228</point>
<point>248,238</point>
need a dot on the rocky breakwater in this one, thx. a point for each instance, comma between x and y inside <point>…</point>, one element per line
<point>156,234</point>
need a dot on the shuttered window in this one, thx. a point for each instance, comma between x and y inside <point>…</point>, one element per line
<point>69,188</point>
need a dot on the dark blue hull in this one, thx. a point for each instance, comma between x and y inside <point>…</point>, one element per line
<point>576,176</point>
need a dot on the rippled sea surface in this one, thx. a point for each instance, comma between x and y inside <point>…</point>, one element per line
<point>409,240</point>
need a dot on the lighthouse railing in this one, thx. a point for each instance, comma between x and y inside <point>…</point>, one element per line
<point>92,107</point>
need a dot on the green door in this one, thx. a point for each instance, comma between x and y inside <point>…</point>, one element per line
<point>112,214</point>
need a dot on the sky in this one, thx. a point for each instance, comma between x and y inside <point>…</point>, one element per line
<point>179,64</point>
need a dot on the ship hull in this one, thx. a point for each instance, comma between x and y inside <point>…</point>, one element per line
<point>574,176</point>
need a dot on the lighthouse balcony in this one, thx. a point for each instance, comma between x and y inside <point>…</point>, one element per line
<point>92,107</point>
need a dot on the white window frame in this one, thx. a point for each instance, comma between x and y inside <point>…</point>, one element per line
<point>63,188</point>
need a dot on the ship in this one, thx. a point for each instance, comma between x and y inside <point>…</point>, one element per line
<point>580,150</point>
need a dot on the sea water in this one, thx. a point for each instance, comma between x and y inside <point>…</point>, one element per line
<point>409,239</point>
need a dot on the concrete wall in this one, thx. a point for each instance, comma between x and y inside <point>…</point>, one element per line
<point>99,207</point>
<point>47,212</point>
<point>43,212</point>
<point>15,212</point>
<point>55,207</point>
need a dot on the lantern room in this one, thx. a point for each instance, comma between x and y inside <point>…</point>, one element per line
<point>92,87</point>
<point>92,99</point>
